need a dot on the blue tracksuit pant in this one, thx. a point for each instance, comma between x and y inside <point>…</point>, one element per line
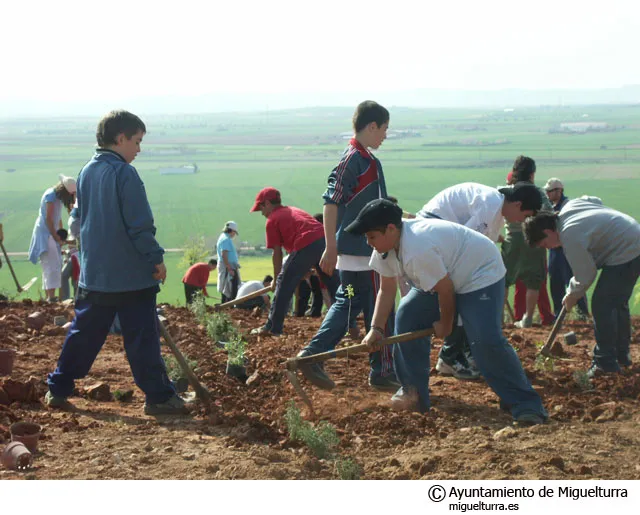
<point>87,335</point>
<point>336,322</point>
<point>611,316</point>
<point>481,313</point>
<point>297,265</point>
<point>560,274</point>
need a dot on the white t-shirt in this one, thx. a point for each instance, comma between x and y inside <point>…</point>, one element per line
<point>430,249</point>
<point>473,205</point>
<point>248,287</point>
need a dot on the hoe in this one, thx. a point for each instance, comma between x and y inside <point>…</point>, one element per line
<point>20,288</point>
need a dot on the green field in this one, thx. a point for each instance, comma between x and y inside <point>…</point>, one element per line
<point>237,154</point>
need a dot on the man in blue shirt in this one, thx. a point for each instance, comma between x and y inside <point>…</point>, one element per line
<point>122,265</point>
<point>228,263</point>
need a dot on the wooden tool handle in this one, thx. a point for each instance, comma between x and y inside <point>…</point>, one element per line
<point>240,300</point>
<point>13,274</point>
<point>293,363</point>
<point>554,332</point>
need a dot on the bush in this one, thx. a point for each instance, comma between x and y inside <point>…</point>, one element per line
<point>220,327</point>
<point>173,367</point>
<point>199,308</point>
<point>195,251</point>
<point>582,380</point>
<point>235,351</point>
<point>347,469</point>
<point>322,441</point>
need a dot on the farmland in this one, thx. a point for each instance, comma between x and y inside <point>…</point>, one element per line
<point>238,153</point>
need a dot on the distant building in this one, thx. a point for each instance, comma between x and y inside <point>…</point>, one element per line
<point>583,126</point>
<point>179,170</point>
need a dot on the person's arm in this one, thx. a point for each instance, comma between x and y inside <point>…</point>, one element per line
<point>330,255</point>
<point>384,304</point>
<point>277,265</point>
<point>584,273</point>
<point>447,301</point>
<point>51,225</point>
<point>138,220</point>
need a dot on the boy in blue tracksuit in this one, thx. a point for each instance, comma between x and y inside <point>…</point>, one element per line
<point>356,180</point>
<point>122,264</point>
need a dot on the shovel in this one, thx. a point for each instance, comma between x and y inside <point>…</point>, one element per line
<point>13,274</point>
<point>240,300</point>
<point>292,364</point>
<point>546,350</point>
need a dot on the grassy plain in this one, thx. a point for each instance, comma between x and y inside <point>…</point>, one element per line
<point>239,153</point>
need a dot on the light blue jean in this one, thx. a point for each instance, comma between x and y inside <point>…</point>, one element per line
<point>481,313</point>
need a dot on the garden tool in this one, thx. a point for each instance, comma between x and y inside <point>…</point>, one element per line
<point>240,300</point>
<point>292,364</point>
<point>546,350</point>
<point>510,311</point>
<point>13,274</point>
<point>201,392</point>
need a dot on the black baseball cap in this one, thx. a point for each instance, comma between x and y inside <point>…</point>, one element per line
<point>377,213</point>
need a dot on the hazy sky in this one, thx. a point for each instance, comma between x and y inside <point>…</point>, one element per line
<point>69,51</point>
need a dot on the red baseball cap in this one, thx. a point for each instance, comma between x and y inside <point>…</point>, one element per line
<point>264,194</point>
<point>510,177</point>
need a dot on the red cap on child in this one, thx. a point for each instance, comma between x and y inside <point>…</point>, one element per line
<point>263,195</point>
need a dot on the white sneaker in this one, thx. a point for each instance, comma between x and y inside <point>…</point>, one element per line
<point>457,370</point>
<point>405,400</point>
<point>524,323</point>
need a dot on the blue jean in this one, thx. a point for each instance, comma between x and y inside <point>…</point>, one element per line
<point>560,274</point>
<point>336,322</point>
<point>611,316</point>
<point>297,265</point>
<point>481,313</point>
<point>141,343</point>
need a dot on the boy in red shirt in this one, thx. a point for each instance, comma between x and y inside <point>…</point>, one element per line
<point>196,279</point>
<point>302,236</point>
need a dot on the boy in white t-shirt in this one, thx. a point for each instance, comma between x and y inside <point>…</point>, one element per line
<point>484,210</point>
<point>447,265</point>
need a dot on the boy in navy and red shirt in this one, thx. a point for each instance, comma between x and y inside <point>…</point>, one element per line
<point>302,236</point>
<point>356,180</point>
<point>196,279</point>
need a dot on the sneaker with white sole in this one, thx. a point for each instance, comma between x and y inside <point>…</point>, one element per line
<point>405,399</point>
<point>457,370</point>
<point>525,323</point>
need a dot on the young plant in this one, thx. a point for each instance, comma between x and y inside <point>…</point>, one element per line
<point>544,363</point>
<point>199,308</point>
<point>173,368</point>
<point>582,380</point>
<point>220,327</point>
<point>235,351</point>
<point>322,440</point>
<point>350,293</point>
<point>347,469</point>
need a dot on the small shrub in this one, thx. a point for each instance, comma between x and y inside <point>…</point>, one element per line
<point>220,327</point>
<point>235,351</point>
<point>582,380</point>
<point>173,367</point>
<point>322,440</point>
<point>544,363</point>
<point>195,251</point>
<point>347,469</point>
<point>199,308</point>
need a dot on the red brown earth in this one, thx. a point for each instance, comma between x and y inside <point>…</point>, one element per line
<point>590,434</point>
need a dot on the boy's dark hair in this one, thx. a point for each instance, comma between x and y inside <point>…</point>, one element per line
<point>526,193</point>
<point>118,122</point>
<point>213,262</point>
<point>319,217</point>
<point>392,199</point>
<point>62,234</point>
<point>65,197</point>
<point>267,279</point>
<point>523,168</point>
<point>534,227</point>
<point>368,112</point>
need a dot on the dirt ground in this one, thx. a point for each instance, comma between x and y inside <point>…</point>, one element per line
<point>591,433</point>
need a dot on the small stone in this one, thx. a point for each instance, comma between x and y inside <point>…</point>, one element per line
<point>253,378</point>
<point>428,466</point>
<point>189,457</point>
<point>507,432</point>
<point>169,448</point>
<point>557,462</point>
<point>99,392</point>
<point>148,447</point>
<point>59,320</point>
<point>587,471</point>
<point>393,462</point>
<point>36,320</point>
<point>212,469</point>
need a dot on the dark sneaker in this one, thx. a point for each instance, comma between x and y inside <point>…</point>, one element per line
<point>384,383</point>
<point>457,370</point>
<point>528,419</point>
<point>405,400</point>
<point>53,401</point>
<point>315,374</point>
<point>596,371</point>
<point>174,406</point>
